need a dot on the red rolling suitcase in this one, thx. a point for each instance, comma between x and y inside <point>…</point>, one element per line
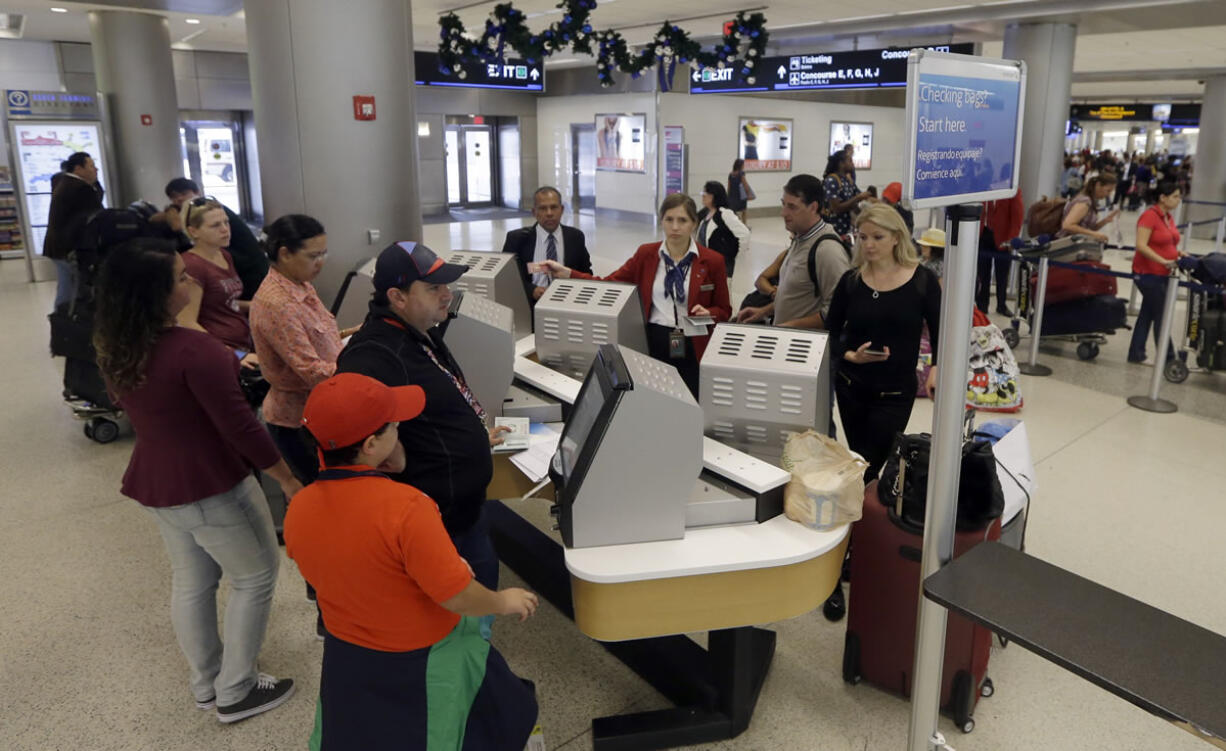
<point>885,591</point>
<point>1064,284</point>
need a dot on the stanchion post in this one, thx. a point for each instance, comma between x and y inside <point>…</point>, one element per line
<point>1152,403</point>
<point>1032,366</point>
<point>1221,235</point>
<point>1133,307</point>
<point>945,464</point>
<point>1187,232</point>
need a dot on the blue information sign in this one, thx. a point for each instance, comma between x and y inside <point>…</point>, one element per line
<point>964,116</point>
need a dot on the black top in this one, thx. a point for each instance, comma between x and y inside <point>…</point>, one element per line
<point>1159,662</point>
<point>893,319</point>
<point>522,242</point>
<point>73,202</point>
<point>447,445</point>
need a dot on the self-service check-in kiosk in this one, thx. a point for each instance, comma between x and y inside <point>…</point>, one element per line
<point>496,277</point>
<point>575,317</point>
<point>481,337</point>
<point>759,383</point>
<point>632,464</point>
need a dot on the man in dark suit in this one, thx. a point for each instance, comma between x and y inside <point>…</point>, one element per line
<point>546,240</point>
<point>74,199</point>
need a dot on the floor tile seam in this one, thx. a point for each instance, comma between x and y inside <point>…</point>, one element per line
<point>61,514</point>
<point>1041,459</point>
<point>1216,470</point>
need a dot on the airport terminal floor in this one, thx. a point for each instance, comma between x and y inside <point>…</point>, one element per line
<point>1129,499</point>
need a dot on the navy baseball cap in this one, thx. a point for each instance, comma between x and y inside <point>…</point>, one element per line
<point>400,264</point>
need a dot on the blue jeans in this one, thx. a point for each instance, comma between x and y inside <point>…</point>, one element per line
<point>228,533</point>
<point>65,282</point>
<point>1153,302</point>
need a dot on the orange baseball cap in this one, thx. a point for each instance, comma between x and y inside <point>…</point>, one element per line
<point>348,407</point>
<point>892,192</point>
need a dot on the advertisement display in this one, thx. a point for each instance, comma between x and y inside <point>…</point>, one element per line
<point>674,159</point>
<point>765,145</point>
<point>963,138</point>
<point>40,147</point>
<point>860,136</point>
<point>620,142</point>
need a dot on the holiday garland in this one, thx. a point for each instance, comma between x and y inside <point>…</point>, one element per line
<point>742,45</point>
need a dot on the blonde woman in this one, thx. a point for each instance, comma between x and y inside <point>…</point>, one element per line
<point>875,322</point>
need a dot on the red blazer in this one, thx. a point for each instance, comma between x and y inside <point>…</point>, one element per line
<point>1004,217</point>
<point>708,283</point>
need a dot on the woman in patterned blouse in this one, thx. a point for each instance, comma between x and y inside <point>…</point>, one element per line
<point>842,195</point>
<point>295,336</point>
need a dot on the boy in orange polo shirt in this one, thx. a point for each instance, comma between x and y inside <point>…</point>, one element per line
<point>405,665</point>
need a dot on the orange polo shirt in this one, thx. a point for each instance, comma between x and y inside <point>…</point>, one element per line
<point>380,561</point>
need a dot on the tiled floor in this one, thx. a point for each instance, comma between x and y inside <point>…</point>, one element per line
<point>88,659</point>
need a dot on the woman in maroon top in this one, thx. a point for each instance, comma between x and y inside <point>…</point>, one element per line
<point>214,305</point>
<point>1157,252</point>
<point>196,443</point>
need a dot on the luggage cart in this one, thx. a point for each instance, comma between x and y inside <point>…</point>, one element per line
<point>1195,345</point>
<point>1067,249</point>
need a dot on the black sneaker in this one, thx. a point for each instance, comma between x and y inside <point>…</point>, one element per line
<point>836,605</point>
<point>268,693</point>
<point>1004,311</point>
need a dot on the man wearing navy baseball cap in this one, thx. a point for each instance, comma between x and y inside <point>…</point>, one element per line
<point>448,445</point>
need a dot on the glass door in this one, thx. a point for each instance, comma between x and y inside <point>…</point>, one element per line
<point>213,156</point>
<point>583,165</point>
<point>471,165</point>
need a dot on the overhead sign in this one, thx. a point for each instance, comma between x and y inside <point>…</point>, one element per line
<point>1111,112</point>
<point>1184,115</point>
<point>964,128</point>
<point>856,69</point>
<point>19,103</point>
<point>509,74</point>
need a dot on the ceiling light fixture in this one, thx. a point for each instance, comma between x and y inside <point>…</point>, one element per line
<point>59,10</point>
<point>192,21</point>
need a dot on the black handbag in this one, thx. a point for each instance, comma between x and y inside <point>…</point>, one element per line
<point>904,483</point>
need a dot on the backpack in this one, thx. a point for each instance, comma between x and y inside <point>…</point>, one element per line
<point>813,254</point>
<point>1045,217</point>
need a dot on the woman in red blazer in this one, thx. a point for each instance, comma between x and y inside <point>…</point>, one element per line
<point>663,272</point>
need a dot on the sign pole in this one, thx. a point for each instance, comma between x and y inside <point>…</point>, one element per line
<point>945,465</point>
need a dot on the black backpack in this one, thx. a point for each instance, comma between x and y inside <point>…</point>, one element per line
<point>813,254</point>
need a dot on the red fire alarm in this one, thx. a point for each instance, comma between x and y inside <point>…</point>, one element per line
<point>146,119</point>
<point>363,107</point>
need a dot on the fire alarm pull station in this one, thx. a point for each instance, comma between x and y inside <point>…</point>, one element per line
<point>363,108</point>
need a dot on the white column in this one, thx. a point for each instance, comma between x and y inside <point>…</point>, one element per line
<point>308,59</point>
<point>1209,173</point>
<point>136,76</point>
<point>1047,50</point>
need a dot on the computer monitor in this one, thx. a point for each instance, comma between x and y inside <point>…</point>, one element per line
<point>496,277</point>
<point>613,488</point>
<point>575,317</point>
<point>481,337</point>
<point>759,383</point>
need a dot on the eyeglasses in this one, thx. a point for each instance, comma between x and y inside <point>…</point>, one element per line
<point>198,202</point>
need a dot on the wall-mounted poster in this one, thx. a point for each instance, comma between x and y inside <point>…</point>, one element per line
<point>765,145</point>
<point>860,136</point>
<point>620,142</point>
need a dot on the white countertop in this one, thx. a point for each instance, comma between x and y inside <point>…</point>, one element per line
<point>778,542</point>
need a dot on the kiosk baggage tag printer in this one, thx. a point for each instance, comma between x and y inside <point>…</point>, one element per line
<point>629,465</point>
<point>576,316</point>
<point>481,337</point>
<point>495,276</point>
<point>760,383</point>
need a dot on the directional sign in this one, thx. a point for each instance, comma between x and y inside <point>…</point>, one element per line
<point>509,74</point>
<point>856,69</point>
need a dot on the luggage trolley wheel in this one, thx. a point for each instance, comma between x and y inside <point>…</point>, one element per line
<point>1087,350</point>
<point>101,430</point>
<point>987,688</point>
<point>1176,370</point>
<point>1012,338</point>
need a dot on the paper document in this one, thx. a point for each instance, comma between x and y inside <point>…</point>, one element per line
<point>534,462</point>
<point>696,325</point>
<point>518,439</point>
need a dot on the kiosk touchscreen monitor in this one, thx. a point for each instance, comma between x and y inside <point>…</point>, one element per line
<point>630,453</point>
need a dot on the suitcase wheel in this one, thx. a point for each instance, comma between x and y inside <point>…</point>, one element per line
<point>967,726</point>
<point>987,688</point>
<point>962,701</point>
<point>851,659</point>
<point>101,430</point>
<point>1176,371</point>
<point>1087,351</point>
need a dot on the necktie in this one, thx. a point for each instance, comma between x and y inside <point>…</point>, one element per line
<point>551,248</point>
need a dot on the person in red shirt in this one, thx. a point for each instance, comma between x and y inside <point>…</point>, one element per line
<point>196,442</point>
<point>215,306</point>
<point>405,664</point>
<point>1002,221</point>
<point>1157,252</point>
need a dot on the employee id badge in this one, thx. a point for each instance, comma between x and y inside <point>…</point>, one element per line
<point>676,344</point>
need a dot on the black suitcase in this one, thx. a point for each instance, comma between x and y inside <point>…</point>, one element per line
<point>1212,354</point>
<point>83,381</point>
<point>1098,314</point>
